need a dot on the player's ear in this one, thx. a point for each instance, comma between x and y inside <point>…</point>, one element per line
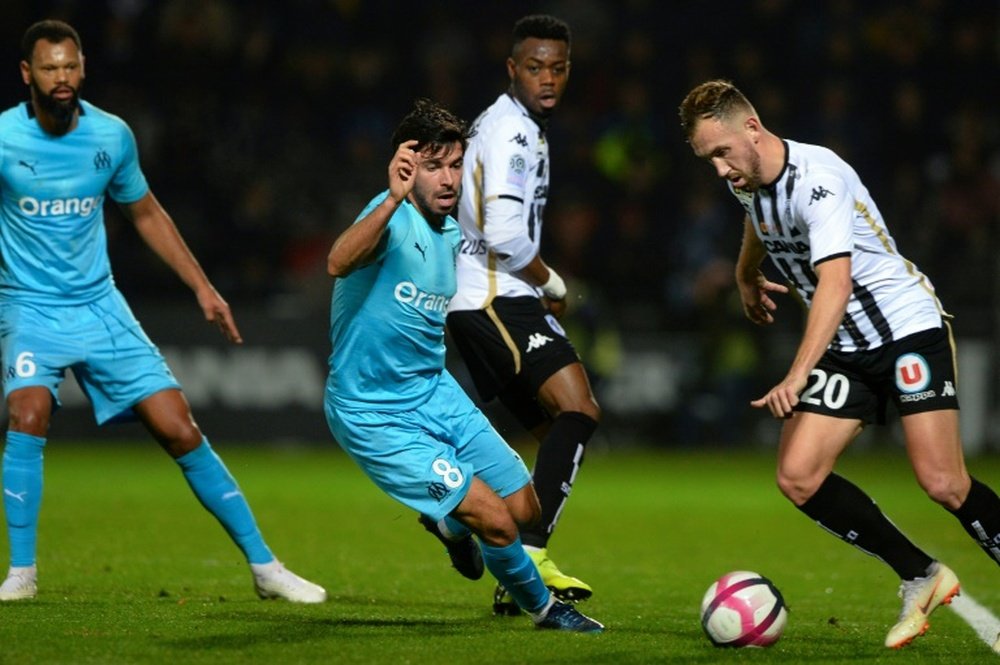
<point>83,67</point>
<point>511,69</point>
<point>26,72</point>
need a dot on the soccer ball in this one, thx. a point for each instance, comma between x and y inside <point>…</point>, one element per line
<point>743,609</point>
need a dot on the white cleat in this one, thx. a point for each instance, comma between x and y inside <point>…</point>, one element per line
<point>921,597</point>
<point>21,583</point>
<point>273,580</point>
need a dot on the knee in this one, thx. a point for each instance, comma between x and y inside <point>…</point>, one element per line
<point>179,437</point>
<point>947,489</point>
<point>500,530</point>
<point>797,487</point>
<point>28,418</point>
<point>527,513</point>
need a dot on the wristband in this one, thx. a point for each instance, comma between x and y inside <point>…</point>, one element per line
<point>555,288</point>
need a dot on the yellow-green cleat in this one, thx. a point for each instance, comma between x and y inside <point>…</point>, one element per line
<point>564,587</point>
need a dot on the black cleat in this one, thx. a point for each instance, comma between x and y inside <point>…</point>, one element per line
<point>464,553</point>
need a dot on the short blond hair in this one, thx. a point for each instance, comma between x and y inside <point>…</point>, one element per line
<point>718,99</point>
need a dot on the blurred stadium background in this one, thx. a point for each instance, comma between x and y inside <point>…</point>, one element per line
<point>264,126</point>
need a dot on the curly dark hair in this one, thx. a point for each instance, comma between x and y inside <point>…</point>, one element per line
<point>431,125</point>
<point>50,30</point>
<point>540,26</point>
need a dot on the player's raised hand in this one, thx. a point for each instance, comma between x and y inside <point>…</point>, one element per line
<point>402,169</point>
<point>757,303</point>
<point>217,311</point>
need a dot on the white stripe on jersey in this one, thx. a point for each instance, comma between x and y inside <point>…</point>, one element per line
<point>507,158</point>
<point>818,209</point>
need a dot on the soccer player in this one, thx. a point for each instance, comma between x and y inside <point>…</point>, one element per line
<point>875,332</point>
<point>390,402</point>
<point>503,320</point>
<point>59,307</point>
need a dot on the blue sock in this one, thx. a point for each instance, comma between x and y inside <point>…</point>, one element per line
<point>218,492</point>
<point>22,494</point>
<point>456,530</point>
<point>517,573</point>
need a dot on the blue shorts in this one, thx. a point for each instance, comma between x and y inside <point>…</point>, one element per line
<point>426,457</point>
<point>115,363</point>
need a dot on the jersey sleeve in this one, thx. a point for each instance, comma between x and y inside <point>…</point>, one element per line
<point>128,184</point>
<point>507,168</point>
<point>826,205</point>
<point>507,160</point>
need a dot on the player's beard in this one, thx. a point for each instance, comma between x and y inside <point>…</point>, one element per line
<point>62,113</point>
<point>752,173</point>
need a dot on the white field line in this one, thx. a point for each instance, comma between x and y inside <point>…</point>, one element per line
<point>984,622</point>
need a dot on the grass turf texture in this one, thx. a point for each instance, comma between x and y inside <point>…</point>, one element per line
<point>134,571</point>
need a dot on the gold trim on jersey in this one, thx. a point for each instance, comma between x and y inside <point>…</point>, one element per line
<point>883,236</point>
<point>480,207</point>
<point>507,339</point>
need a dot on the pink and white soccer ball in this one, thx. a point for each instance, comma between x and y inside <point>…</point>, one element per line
<point>743,609</point>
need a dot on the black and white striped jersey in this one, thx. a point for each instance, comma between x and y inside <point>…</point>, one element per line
<point>818,210</point>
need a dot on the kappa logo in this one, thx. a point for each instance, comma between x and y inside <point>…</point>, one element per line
<point>819,193</point>
<point>537,341</point>
<point>521,140</point>
<point>948,390</point>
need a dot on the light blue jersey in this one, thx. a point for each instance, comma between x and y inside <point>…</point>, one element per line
<point>387,318</point>
<point>53,245</point>
<point>390,402</point>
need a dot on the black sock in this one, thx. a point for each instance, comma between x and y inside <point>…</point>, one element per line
<point>842,508</point>
<point>980,515</point>
<point>559,458</point>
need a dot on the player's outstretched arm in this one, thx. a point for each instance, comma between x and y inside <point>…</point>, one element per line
<point>158,230</point>
<point>358,243</point>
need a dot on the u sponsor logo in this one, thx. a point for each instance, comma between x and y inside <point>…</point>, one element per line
<point>913,374</point>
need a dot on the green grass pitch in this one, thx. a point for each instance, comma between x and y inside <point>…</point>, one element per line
<point>132,570</point>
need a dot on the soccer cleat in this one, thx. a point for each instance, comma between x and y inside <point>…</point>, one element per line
<point>464,553</point>
<point>922,596</point>
<point>21,583</point>
<point>503,603</point>
<point>564,587</point>
<point>273,580</point>
<point>563,616</point>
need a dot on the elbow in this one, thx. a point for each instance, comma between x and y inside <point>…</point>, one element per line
<point>335,269</point>
<point>335,266</point>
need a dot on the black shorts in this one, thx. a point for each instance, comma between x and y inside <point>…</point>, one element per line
<point>511,348</point>
<point>917,373</point>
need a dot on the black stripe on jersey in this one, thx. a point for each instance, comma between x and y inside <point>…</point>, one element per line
<point>789,188</point>
<point>852,329</point>
<point>774,211</point>
<point>873,312</point>
<point>789,274</point>
<point>512,198</point>
<point>761,226</point>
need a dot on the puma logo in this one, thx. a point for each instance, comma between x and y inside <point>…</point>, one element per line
<point>20,496</point>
